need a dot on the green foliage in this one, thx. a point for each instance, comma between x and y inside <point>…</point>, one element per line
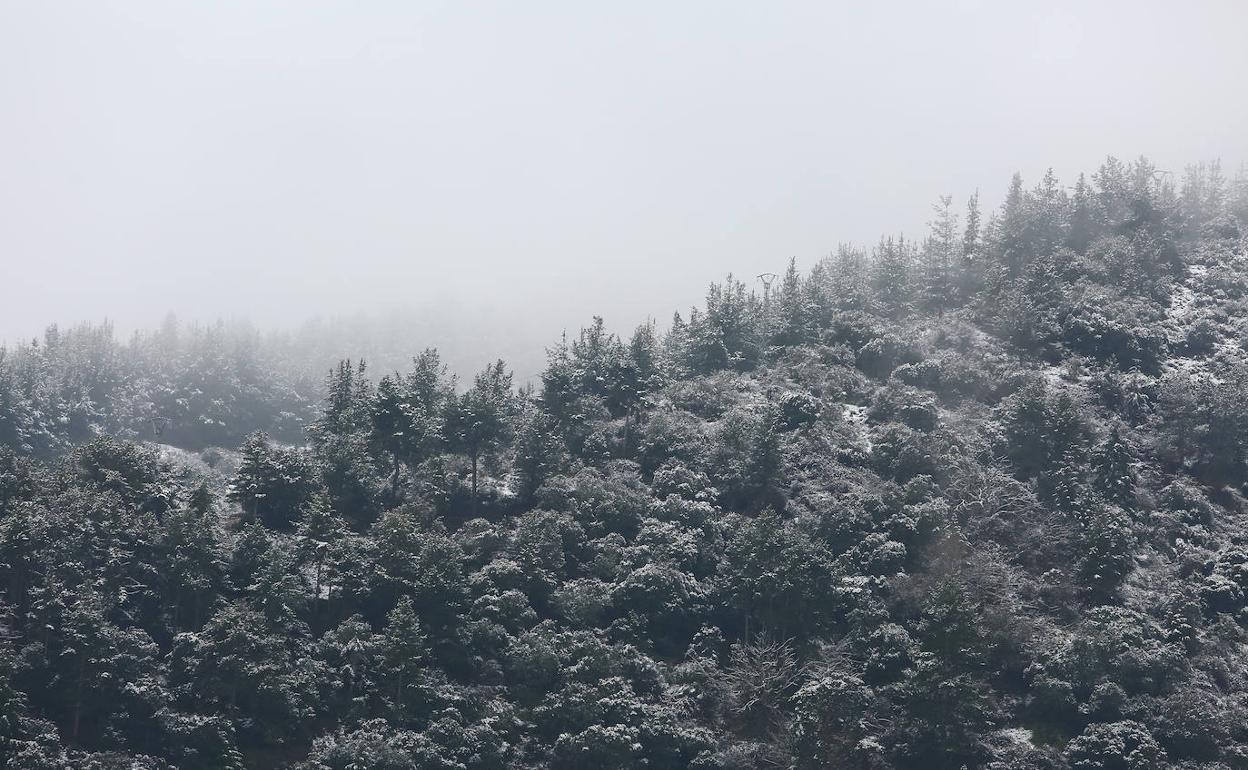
<point>974,502</point>
<point>1041,428</point>
<point>1115,476</point>
<point>1124,745</point>
<point>273,483</point>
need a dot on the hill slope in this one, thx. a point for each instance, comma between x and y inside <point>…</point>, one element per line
<point>970,502</point>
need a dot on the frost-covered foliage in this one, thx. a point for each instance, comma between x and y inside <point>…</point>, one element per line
<point>194,386</point>
<point>970,502</point>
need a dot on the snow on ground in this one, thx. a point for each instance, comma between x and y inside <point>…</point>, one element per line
<point>1182,310</point>
<point>1055,375</point>
<point>214,465</point>
<point>1020,736</point>
<point>1182,303</point>
<point>856,416</point>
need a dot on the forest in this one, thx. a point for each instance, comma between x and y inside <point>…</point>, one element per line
<point>970,500</point>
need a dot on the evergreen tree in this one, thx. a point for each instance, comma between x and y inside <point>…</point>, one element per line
<point>1065,488</point>
<point>677,355</point>
<point>852,278</point>
<point>1115,478</point>
<point>970,265</point>
<point>940,258</point>
<point>971,234</point>
<point>1237,199</point>
<point>409,415</point>
<point>238,666</point>
<point>643,372</point>
<point>1041,430</point>
<point>1049,217</point>
<point>12,707</point>
<point>559,383</point>
<point>350,478</point>
<point>1029,306</point>
<point>1105,539</point>
<point>893,275</point>
<point>796,324</point>
<point>726,334</point>
<point>201,501</point>
<point>320,533</point>
<point>1011,234</point>
<point>272,483</point>
<point>192,565</point>
<point>1082,217</point>
<point>481,422</point>
<point>348,402</point>
<point>404,663</point>
<point>540,452</point>
<point>393,429</point>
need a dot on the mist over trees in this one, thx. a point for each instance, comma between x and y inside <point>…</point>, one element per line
<point>974,499</point>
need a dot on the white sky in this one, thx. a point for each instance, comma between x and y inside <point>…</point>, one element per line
<point>539,162</point>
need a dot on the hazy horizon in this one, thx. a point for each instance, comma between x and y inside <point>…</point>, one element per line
<point>532,166</point>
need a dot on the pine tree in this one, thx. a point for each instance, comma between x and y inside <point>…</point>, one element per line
<point>892,276</point>
<point>676,354</point>
<point>1010,233</point>
<point>764,454</point>
<point>428,383</point>
<point>1142,181</point>
<point>643,373</point>
<point>192,565</point>
<point>1048,214</point>
<point>726,334</point>
<point>1043,291</point>
<point>640,375</point>
<point>1237,198</point>
<point>238,666</point>
<point>601,367</point>
<point>1082,221</point>
<point>255,474</point>
<point>795,322</point>
<point>1202,197</point>
<point>559,392</point>
<point>201,500</point>
<point>408,415</point>
<point>12,706</point>
<point>851,278</point>
<point>482,419</point>
<point>1112,195</point>
<point>319,535</point>
<point>540,451</point>
<point>272,483</point>
<point>403,650</point>
<point>970,235</point>
<point>278,590</point>
<point>392,424</point>
<point>348,402</point>
<point>1064,488</point>
<point>1106,539</point>
<point>971,266</point>
<point>940,257</point>
<point>819,296</point>
<point>1115,478</point>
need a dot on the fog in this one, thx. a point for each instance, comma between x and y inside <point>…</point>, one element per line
<point>523,166</point>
